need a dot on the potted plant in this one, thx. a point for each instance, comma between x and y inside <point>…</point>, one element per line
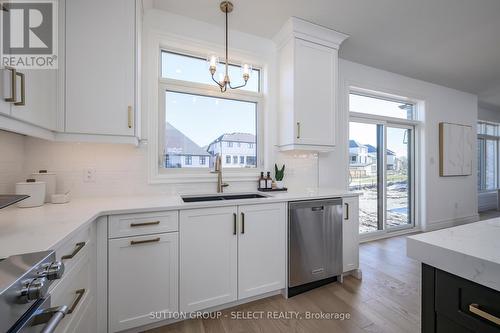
<point>278,176</point>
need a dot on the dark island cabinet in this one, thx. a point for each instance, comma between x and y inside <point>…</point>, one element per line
<point>451,304</point>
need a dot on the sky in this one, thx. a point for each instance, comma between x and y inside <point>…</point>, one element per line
<point>367,133</point>
<point>203,119</point>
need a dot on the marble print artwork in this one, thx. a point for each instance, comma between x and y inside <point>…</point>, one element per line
<point>456,149</point>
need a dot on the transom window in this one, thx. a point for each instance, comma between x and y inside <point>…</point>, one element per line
<point>194,69</point>
<point>197,122</point>
<point>381,107</point>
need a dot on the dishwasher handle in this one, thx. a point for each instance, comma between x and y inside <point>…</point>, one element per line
<point>318,208</point>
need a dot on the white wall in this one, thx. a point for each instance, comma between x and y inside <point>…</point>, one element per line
<point>488,113</point>
<point>444,201</point>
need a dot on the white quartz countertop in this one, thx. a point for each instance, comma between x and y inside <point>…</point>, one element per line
<point>40,228</point>
<point>471,251</point>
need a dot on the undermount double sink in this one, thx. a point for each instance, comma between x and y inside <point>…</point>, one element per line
<point>218,197</point>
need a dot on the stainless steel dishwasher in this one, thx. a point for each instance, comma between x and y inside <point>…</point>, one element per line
<point>314,244</point>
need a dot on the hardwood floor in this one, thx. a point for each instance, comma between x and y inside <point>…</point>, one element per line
<point>386,300</point>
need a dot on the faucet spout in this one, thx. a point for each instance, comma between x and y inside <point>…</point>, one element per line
<point>218,171</point>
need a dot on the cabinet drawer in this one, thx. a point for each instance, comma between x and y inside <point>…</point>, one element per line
<point>143,224</point>
<point>74,291</point>
<point>458,299</point>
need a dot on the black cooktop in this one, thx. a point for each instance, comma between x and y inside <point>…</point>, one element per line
<point>10,199</point>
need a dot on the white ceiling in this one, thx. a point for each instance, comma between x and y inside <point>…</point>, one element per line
<point>455,43</point>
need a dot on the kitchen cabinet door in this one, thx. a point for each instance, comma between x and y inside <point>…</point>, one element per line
<point>142,278</point>
<point>6,90</point>
<point>40,98</point>
<point>208,257</point>
<point>261,249</point>
<point>100,67</point>
<point>315,73</point>
<point>350,232</point>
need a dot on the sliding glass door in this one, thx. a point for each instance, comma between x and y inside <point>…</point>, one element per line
<point>381,156</point>
<point>398,178</point>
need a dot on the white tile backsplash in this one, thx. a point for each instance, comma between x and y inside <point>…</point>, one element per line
<point>119,169</point>
<point>12,158</point>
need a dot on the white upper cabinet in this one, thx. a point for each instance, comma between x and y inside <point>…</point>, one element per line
<point>100,67</point>
<point>308,83</point>
<point>261,249</point>
<point>36,97</point>
<point>6,89</point>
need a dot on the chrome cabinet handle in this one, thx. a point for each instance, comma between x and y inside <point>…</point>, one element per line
<point>79,295</point>
<point>23,90</point>
<point>52,317</point>
<point>242,223</point>
<point>474,308</point>
<point>133,225</point>
<point>298,130</point>
<point>235,217</point>
<point>154,240</point>
<point>13,85</point>
<point>346,211</point>
<point>130,116</point>
<point>77,249</point>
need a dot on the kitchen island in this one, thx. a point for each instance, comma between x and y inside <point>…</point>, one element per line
<point>460,277</point>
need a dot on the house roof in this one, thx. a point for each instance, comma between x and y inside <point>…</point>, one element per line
<point>371,149</point>
<point>236,137</point>
<point>178,143</point>
<point>354,144</point>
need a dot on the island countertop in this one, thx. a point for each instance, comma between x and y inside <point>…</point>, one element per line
<point>471,251</point>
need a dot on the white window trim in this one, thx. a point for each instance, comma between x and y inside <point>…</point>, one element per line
<point>166,42</point>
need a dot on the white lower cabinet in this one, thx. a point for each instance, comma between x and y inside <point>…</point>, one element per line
<point>142,278</point>
<point>231,253</point>
<point>350,234</point>
<point>208,257</point>
<point>261,249</point>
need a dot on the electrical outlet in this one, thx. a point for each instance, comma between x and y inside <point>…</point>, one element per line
<point>89,175</point>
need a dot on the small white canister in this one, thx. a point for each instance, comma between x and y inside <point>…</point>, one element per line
<point>36,191</point>
<point>49,178</point>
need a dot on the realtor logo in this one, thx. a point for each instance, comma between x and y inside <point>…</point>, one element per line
<point>29,34</point>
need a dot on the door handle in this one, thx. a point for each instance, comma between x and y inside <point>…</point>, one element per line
<point>474,308</point>
<point>144,224</point>
<point>13,86</point>
<point>298,130</point>
<point>23,90</point>
<point>346,211</point>
<point>130,116</point>
<point>79,295</point>
<point>154,240</point>
<point>242,223</point>
<point>235,217</point>
<point>77,249</point>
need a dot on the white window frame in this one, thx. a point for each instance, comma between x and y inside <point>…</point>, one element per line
<point>416,125</point>
<point>482,167</point>
<point>165,42</point>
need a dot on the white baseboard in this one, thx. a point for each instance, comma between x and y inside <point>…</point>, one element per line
<point>436,225</point>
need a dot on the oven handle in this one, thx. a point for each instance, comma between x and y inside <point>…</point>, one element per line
<point>57,314</point>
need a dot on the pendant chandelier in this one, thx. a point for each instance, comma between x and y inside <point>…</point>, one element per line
<point>225,82</point>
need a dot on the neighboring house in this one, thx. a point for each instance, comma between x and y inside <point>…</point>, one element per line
<point>182,152</point>
<point>238,150</point>
<point>360,162</point>
<point>363,157</point>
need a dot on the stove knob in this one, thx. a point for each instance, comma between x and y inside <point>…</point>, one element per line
<point>53,271</point>
<point>34,289</point>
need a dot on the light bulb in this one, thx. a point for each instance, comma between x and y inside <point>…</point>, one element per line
<point>212,60</point>
<point>246,70</point>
